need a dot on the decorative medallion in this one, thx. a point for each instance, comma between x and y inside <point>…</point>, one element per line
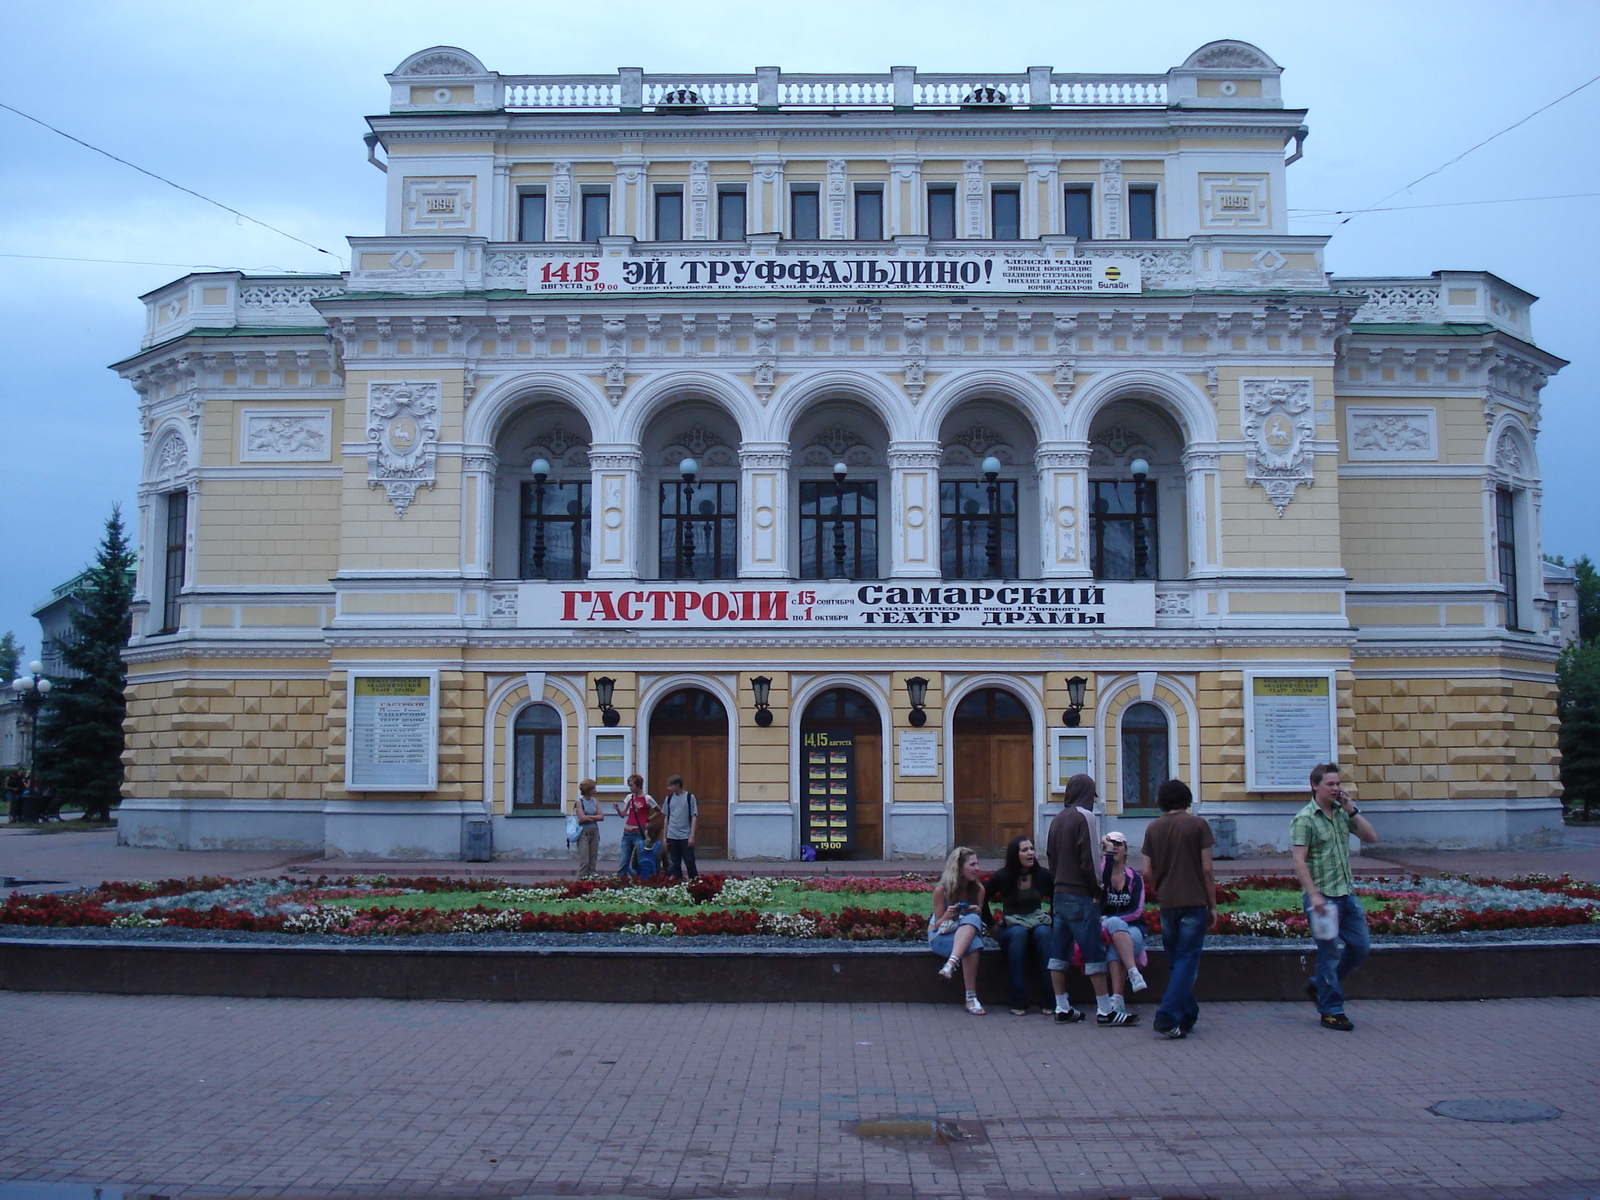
<point>1278,428</point>
<point>403,438</point>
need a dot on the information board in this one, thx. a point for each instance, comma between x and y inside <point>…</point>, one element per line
<point>829,768</point>
<point>919,753</point>
<point>393,743</point>
<point>1289,724</point>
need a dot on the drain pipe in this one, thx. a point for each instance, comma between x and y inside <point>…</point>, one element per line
<point>1299,146</point>
<point>371,140</point>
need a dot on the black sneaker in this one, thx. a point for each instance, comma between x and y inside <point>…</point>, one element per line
<point>1337,1021</point>
<point>1176,1033</point>
<point>1117,1016</point>
<point>1071,1017</point>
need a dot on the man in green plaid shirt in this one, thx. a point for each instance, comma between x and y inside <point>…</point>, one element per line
<point>1320,835</point>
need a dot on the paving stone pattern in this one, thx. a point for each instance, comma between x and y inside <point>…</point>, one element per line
<point>203,1097</point>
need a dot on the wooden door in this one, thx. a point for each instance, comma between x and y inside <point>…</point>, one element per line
<point>689,737</point>
<point>993,771</point>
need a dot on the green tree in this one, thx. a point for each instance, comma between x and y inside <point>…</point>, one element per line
<point>81,741</point>
<point>10,658</point>
<point>1588,599</point>
<point>1578,678</point>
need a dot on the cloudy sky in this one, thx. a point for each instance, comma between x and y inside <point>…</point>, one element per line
<point>261,106</point>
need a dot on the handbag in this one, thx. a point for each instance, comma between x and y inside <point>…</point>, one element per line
<point>1033,920</point>
<point>573,828</point>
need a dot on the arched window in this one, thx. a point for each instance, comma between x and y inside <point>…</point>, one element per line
<point>1144,755</point>
<point>536,760</point>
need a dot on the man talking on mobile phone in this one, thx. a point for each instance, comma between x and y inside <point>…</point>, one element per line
<point>1320,835</point>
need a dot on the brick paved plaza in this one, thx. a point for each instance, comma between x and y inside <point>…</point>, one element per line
<point>306,1098</point>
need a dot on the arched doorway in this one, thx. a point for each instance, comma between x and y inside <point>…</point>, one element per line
<point>689,737</point>
<point>993,757</point>
<point>845,774</point>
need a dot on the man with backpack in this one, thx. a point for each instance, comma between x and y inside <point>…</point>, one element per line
<point>683,816</point>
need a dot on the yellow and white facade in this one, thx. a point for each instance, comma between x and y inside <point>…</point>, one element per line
<point>877,449</point>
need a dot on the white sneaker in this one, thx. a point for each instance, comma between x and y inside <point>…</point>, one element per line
<point>1136,980</point>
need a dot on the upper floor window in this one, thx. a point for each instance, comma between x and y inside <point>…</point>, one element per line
<point>669,215</point>
<point>838,529</point>
<point>555,530</point>
<point>978,528</point>
<point>699,530</point>
<point>1123,529</point>
<point>1142,214</point>
<point>730,215</point>
<point>805,215</point>
<point>1077,206</point>
<point>1006,217</point>
<point>177,541</point>
<point>942,213</point>
<point>596,215</point>
<point>537,760</point>
<point>869,214</point>
<point>1505,511</point>
<point>530,216</point>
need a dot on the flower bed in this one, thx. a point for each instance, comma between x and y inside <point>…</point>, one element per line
<point>716,905</point>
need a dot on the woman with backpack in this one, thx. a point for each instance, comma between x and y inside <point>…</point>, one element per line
<point>635,813</point>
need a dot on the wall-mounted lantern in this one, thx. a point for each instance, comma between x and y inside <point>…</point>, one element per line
<point>1075,687</point>
<point>603,688</point>
<point>917,693</point>
<point>761,688</point>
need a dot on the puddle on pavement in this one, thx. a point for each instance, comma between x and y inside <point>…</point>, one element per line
<point>913,1132</point>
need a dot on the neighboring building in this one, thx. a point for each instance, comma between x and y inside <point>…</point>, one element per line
<point>1561,585</point>
<point>1130,484</point>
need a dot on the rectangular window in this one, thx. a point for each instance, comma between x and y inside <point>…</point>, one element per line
<point>1123,529</point>
<point>176,560</point>
<point>1142,214</point>
<point>596,215</point>
<point>530,217</point>
<point>942,214</point>
<point>555,531</point>
<point>838,532</point>
<point>805,215</point>
<point>699,530</point>
<point>669,215</point>
<point>1505,510</point>
<point>730,215</point>
<point>1007,215</point>
<point>869,215</point>
<point>1077,207</point>
<point>975,516</point>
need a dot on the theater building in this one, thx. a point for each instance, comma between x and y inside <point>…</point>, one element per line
<point>874,451</point>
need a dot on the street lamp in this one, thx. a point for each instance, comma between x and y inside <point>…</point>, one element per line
<point>917,693</point>
<point>991,476</point>
<point>1141,544</point>
<point>1075,687</point>
<point>604,686</point>
<point>688,468</point>
<point>541,472</point>
<point>761,689</point>
<point>839,473</point>
<point>32,690</point>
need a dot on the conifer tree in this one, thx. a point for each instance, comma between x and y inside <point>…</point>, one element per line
<point>10,658</point>
<point>81,739</point>
<point>1579,681</point>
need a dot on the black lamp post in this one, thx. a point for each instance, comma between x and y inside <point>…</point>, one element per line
<point>688,468</point>
<point>991,476</point>
<point>839,473</point>
<point>31,691</point>
<point>761,689</point>
<point>541,472</point>
<point>603,688</point>
<point>917,693</point>
<point>1075,687</point>
<point>1141,543</point>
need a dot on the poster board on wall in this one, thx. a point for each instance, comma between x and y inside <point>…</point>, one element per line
<point>1290,725</point>
<point>392,742</point>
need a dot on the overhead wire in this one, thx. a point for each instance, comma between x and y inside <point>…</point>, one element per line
<point>170,183</point>
<point>136,262</point>
<point>1338,212</point>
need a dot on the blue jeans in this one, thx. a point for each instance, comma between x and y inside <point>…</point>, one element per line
<point>1077,919</point>
<point>1016,941</point>
<point>1332,965</point>
<point>632,842</point>
<point>681,855</point>
<point>1183,935</point>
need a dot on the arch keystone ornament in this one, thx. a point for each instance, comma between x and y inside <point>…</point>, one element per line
<point>1276,416</point>
<point>403,438</point>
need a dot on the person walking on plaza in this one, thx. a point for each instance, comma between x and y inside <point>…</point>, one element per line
<point>587,810</point>
<point>1076,906</point>
<point>1121,917</point>
<point>1178,868</point>
<point>955,929</point>
<point>635,813</point>
<point>1320,835</point>
<point>1023,889</point>
<point>683,818</point>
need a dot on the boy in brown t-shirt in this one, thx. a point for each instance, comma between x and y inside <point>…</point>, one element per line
<point>1177,865</point>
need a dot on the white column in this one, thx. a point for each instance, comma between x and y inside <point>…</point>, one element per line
<point>974,204</point>
<point>766,202</point>
<point>698,218</point>
<point>630,199</point>
<point>836,200</point>
<point>560,203</point>
<point>1063,470</point>
<point>477,514</point>
<point>1041,207</point>
<point>763,510</point>
<point>1201,475</point>
<point>501,214</point>
<point>905,196</point>
<point>1112,224</point>
<point>615,517</point>
<point>914,509</point>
